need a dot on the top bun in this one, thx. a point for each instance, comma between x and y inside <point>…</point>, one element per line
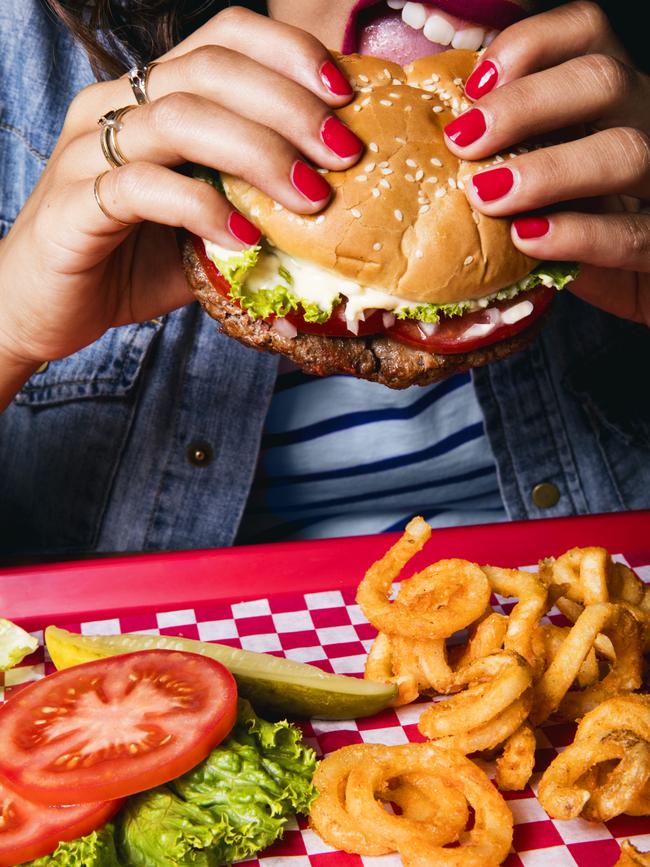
<point>399,220</point>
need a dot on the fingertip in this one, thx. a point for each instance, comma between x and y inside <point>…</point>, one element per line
<point>335,82</point>
<point>530,228</point>
<point>483,79</point>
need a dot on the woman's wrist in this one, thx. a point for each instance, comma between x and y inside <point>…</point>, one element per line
<point>14,373</point>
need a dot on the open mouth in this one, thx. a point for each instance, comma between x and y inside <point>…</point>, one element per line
<point>403,31</point>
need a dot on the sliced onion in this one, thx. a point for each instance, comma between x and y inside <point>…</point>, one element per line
<point>388,319</point>
<point>428,328</point>
<point>517,312</point>
<point>479,329</point>
<point>352,325</point>
<point>284,328</point>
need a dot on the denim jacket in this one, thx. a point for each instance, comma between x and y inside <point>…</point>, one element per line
<point>98,450</point>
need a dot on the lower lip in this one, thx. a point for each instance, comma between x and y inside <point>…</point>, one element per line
<point>474,11</point>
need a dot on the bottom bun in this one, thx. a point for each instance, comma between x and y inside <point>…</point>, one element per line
<point>375,358</point>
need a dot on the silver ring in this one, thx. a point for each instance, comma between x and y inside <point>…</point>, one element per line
<point>111,124</point>
<point>138,78</point>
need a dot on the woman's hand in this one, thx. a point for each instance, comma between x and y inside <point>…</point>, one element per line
<point>244,94</point>
<point>551,72</point>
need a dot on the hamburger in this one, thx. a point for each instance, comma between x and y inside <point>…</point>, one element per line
<point>398,280</point>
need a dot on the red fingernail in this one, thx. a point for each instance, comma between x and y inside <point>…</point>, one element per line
<point>493,184</point>
<point>467,128</point>
<point>531,227</point>
<point>242,229</point>
<point>340,139</point>
<point>309,183</point>
<point>334,80</point>
<point>482,80</point>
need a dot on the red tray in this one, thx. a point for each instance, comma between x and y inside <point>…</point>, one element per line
<point>297,599</point>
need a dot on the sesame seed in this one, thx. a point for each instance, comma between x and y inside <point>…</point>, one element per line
<point>277,206</point>
<point>461,185</point>
<point>435,77</point>
<point>499,159</point>
<point>419,175</point>
<point>408,108</point>
<point>385,102</point>
<point>355,213</point>
<point>475,217</point>
<point>428,81</point>
<point>394,95</point>
<point>400,140</point>
<point>426,96</point>
<point>440,192</point>
<point>369,167</point>
<point>255,212</point>
<point>436,162</point>
<point>384,183</point>
<point>376,246</point>
<point>432,179</point>
<point>512,156</point>
<point>320,219</point>
<point>361,178</point>
<point>373,147</point>
<point>387,171</point>
<point>366,101</point>
<point>411,163</point>
<point>387,72</point>
<point>366,89</point>
<point>396,81</point>
<point>452,183</point>
<point>409,177</point>
<point>464,105</point>
<point>384,164</point>
<point>419,254</point>
<point>458,81</point>
<point>445,94</point>
<point>357,108</point>
<point>437,109</point>
<point>455,103</point>
<point>376,193</point>
<point>399,216</point>
<point>364,78</point>
<point>424,209</point>
<point>322,171</point>
<point>469,260</point>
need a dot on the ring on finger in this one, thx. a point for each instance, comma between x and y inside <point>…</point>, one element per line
<point>100,203</point>
<point>138,79</point>
<point>111,124</point>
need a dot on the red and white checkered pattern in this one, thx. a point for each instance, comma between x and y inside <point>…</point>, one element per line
<point>329,630</point>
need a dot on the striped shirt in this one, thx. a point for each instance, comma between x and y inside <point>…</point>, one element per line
<point>341,456</point>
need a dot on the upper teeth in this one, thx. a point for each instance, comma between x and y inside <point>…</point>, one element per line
<point>441,28</point>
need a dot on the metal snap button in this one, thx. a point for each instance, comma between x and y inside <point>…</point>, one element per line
<point>545,495</point>
<point>200,453</point>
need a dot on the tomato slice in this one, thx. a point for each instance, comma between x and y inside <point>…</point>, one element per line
<point>452,335</point>
<point>112,727</point>
<point>29,830</point>
<point>456,334</point>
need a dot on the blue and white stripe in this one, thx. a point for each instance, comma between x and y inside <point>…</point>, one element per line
<point>341,456</point>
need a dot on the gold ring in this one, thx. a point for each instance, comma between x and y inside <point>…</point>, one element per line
<point>111,124</point>
<point>138,79</point>
<point>102,206</point>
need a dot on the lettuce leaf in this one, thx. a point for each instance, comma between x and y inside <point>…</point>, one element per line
<point>552,274</point>
<point>94,850</point>
<point>229,807</point>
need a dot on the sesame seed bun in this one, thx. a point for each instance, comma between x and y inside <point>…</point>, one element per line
<point>399,220</point>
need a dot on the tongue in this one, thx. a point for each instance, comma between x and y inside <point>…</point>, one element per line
<point>384,34</point>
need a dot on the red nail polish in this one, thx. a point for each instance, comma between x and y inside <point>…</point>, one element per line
<point>467,128</point>
<point>482,80</point>
<point>493,184</point>
<point>334,80</point>
<point>340,139</point>
<point>531,227</point>
<point>242,229</point>
<point>309,183</point>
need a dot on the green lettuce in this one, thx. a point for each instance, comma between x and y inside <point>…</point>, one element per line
<point>94,850</point>
<point>229,807</point>
<point>552,274</point>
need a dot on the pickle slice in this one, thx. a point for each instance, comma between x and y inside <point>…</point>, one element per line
<point>272,684</point>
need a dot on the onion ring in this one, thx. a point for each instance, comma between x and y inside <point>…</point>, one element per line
<point>489,840</point>
<point>493,683</point>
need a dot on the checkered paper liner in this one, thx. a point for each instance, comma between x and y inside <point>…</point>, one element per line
<point>328,629</point>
